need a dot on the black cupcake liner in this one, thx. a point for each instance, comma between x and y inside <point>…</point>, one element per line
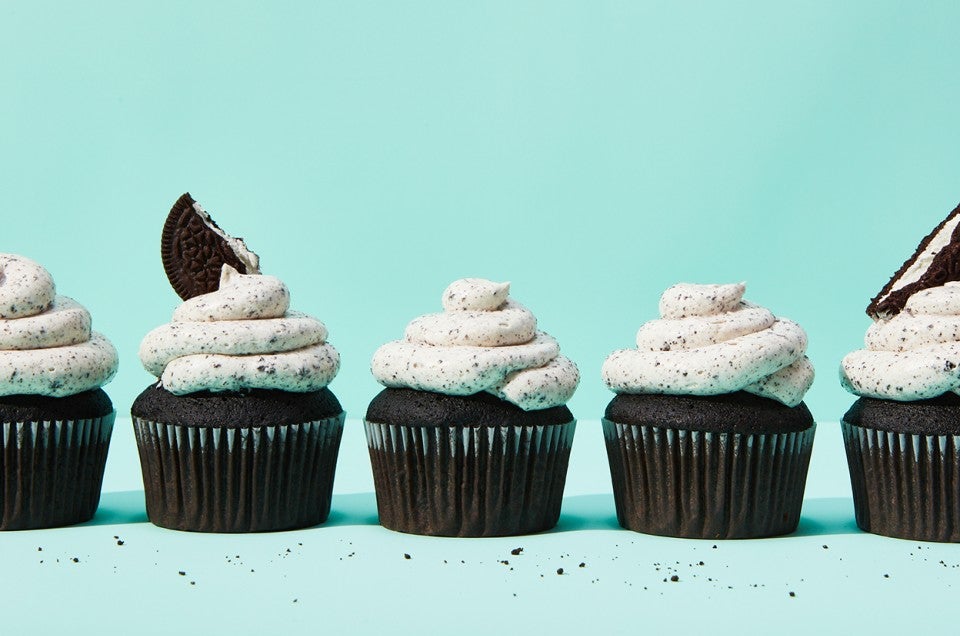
<point>905,485</point>
<point>246,479</point>
<point>469,481</point>
<point>707,485</point>
<point>52,471</point>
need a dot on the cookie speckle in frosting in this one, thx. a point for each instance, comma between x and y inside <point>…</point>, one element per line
<point>915,355</point>
<point>46,343</point>
<point>709,342</point>
<point>241,336</point>
<point>483,341</point>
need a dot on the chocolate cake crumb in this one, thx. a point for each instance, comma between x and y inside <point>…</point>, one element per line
<point>75,560</point>
<point>182,573</point>
<point>516,551</point>
<point>560,571</point>
<point>39,549</point>
<point>793,595</point>
<point>674,578</point>
<point>825,546</point>
<point>406,556</point>
<point>582,564</point>
<point>120,542</point>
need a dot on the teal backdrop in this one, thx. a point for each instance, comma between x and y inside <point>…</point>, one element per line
<point>593,153</point>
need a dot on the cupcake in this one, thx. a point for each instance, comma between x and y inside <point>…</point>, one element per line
<point>708,436</point>
<point>471,437</point>
<point>901,435</point>
<point>240,433</point>
<point>56,419</point>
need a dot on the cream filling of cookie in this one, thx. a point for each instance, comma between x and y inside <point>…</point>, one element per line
<point>46,343</point>
<point>914,355</point>
<point>242,336</point>
<point>483,341</point>
<point>923,261</point>
<point>250,260</point>
<point>711,342</point>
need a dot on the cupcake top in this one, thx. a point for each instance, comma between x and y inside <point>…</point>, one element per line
<point>482,341</point>
<point>913,346</point>
<point>235,332</point>
<point>47,346</point>
<point>913,355</point>
<point>709,341</point>
<point>241,336</point>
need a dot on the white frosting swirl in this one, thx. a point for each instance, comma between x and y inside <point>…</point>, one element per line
<point>914,355</point>
<point>241,336</point>
<point>483,341</point>
<point>708,342</point>
<point>46,343</point>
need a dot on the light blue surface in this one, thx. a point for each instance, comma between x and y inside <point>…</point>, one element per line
<point>592,152</point>
<point>351,576</point>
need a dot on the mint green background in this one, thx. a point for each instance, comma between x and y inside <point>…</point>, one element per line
<point>593,153</point>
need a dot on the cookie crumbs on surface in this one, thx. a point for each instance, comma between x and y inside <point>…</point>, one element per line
<point>39,549</point>
<point>582,564</point>
<point>560,571</point>
<point>886,576</point>
<point>826,547</point>
<point>675,579</point>
<point>75,560</point>
<point>793,595</point>
<point>407,556</point>
<point>120,541</point>
<point>516,551</point>
<point>181,573</point>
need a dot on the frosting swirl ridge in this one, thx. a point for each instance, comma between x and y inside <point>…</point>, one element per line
<point>47,346</point>
<point>709,341</point>
<point>241,336</point>
<point>482,341</point>
<point>913,355</point>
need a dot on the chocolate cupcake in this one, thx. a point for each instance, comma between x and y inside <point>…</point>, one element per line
<point>56,419</point>
<point>241,433</point>
<point>708,436</point>
<point>471,437</point>
<point>901,435</point>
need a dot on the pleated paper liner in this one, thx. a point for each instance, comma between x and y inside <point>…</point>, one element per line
<point>905,485</point>
<point>469,481</point>
<point>249,479</point>
<point>707,485</point>
<point>52,471</point>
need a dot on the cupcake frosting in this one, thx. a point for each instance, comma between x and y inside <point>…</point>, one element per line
<point>241,336</point>
<point>47,346</point>
<point>915,354</point>
<point>709,341</point>
<point>482,341</point>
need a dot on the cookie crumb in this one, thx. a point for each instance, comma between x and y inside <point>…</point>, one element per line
<point>516,551</point>
<point>407,556</point>
<point>582,564</point>
<point>560,571</point>
<point>793,595</point>
<point>674,578</point>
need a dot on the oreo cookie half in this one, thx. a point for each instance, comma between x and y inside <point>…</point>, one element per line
<point>936,261</point>
<point>194,249</point>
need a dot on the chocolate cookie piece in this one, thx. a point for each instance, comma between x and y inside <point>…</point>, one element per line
<point>739,412</point>
<point>235,409</point>
<point>194,250</point>
<point>941,250</point>
<point>426,408</point>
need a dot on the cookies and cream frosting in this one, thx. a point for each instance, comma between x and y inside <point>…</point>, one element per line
<point>242,336</point>
<point>913,355</point>
<point>709,341</point>
<point>47,346</point>
<point>482,341</point>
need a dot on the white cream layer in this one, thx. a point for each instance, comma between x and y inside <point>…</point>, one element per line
<point>46,343</point>
<point>914,355</point>
<point>241,336</point>
<point>708,342</point>
<point>483,341</point>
